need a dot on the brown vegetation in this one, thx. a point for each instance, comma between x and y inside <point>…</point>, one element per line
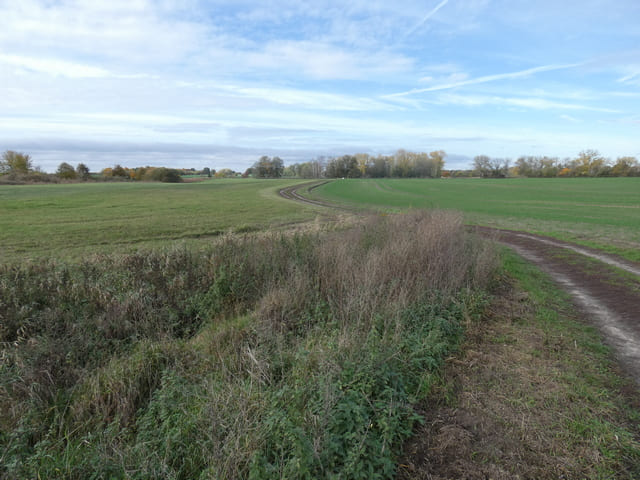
<point>268,356</point>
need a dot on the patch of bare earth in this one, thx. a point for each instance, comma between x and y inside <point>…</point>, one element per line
<point>194,179</point>
<point>524,400</point>
<point>605,288</point>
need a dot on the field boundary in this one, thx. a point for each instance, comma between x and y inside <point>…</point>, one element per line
<point>603,287</point>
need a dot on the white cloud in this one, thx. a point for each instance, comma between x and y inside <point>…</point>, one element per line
<point>534,103</point>
<point>326,61</point>
<point>452,78</point>
<point>198,71</point>
<point>632,77</point>
<point>443,73</point>
<point>571,119</point>
<point>199,38</point>
<point>120,32</point>
<point>308,99</point>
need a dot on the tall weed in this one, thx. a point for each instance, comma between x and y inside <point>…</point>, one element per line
<point>268,356</point>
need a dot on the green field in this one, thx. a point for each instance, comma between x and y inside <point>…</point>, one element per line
<point>73,219</point>
<point>600,212</point>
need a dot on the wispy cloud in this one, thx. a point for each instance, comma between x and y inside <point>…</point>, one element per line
<point>308,98</point>
<point>571,119</point>
<point>321,60</point>
<point>55,67</point>
<point>487,78</point>
<point>63,68</point>
<point>533,103</point>
<point>632,78</point>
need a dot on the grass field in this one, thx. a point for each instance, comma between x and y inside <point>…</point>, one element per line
<point>73,219</point>
<point>599,212</point>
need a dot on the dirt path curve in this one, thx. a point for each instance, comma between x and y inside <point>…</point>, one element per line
<point>291,193</point>
<point>604,287</point>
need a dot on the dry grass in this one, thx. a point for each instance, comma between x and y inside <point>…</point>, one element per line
<point>268,356</point>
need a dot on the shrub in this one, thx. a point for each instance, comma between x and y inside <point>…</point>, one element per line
<point>162,174</point>
<point>66,171</point>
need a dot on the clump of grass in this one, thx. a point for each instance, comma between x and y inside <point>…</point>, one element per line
<point>268,356</point>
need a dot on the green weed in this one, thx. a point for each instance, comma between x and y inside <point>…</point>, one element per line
<point>271,356</point>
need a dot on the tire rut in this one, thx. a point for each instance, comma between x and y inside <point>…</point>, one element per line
<point>291,193</point>
<point>607,297</point>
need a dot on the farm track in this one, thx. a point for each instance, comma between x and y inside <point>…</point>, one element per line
<point>605,288</point>
<point>291,193</point>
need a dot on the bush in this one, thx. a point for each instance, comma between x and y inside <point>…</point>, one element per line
<point>161,174</point>
<point>66,171</point>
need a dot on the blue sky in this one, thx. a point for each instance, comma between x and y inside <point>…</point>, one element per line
<point>199,83</point>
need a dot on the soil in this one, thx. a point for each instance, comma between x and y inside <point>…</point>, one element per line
<point>605,288</point>
<point>291,193</point>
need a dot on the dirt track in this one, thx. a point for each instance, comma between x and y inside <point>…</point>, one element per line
<point>605,288</point>
<point>291,193</point>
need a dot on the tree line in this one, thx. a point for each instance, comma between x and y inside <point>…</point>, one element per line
<point>402,164</point>
<point>18,167</point>
<point>149,174</point>
<point>588,163</point>
<point>406,164</point>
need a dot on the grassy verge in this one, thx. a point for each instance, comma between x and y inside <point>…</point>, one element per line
<point>533,394</point>
<point>269,356</point>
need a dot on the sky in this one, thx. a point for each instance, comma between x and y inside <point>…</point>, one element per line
<point>209,83</point>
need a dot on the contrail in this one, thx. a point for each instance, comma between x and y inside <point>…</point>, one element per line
<point>487,78</point>
<point>427,17</point>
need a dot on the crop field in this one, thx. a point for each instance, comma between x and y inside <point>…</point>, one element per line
<point>74,219</point>
<point>599,212</point>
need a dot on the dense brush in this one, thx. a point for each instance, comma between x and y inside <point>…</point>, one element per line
<point>268,356</point>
